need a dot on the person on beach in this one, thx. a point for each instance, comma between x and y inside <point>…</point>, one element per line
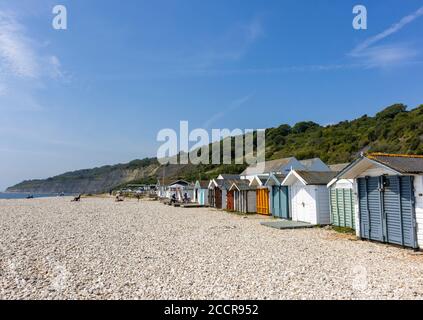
<point>119,197</point>
<point>173,198</point>
<point>186,198</point>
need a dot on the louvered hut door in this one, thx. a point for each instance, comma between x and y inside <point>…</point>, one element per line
<point>387,211</point>
<point>342,207</point>
<point>370,208</point>
<point>263,201</point>
<point>399,214</point>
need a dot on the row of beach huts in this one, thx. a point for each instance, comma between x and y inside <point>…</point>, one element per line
<point>378,195</point>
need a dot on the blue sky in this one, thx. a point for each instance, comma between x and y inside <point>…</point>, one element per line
<point>99,92</point>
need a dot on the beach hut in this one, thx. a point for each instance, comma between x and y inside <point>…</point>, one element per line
<point>262,195</point>
<point>342,199</point>
<point>389,202</point>
<point>244,196</point>
<point>216,195</point>
<point>166,187</point>
<point>279,196</point>
<point>309,196</point>
<point>179,188</point>
<point>218,192</point>
<point>201,192</point>
<point>230,194</point>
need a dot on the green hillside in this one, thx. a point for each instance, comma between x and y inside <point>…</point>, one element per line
<point>393,130</point>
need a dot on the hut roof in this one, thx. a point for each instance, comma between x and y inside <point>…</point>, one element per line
<point>338,167</point>
<point>310,177</point>
<point>406,164</point>
<point>242,185</point>
<point>227,176</point>
<point>269,166</point>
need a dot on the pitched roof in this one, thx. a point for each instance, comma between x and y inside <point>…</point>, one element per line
<point>171,181</point>
<point>263,180</point>
<point>278,178</point>
<point>310,164</point>
<point>338,167</point>
<point>243,185</point>
<point>229,176</point>
<point>406,164</point>
<point>269,166</point>
<point>227,183</point>
<point>316,177</point>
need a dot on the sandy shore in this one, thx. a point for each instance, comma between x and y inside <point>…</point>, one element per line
<point>99,249</point>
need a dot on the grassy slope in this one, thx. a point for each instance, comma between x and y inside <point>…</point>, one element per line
<point>393,130</point>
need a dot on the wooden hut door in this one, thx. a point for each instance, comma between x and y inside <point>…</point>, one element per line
<point>263,201</point>
<point>212,198</point>
<point>218,198</point>
<point>230,201</point>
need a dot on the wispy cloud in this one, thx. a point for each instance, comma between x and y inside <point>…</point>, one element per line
<point>232,46</point>
<point>273,70</point>
<point>229,109</point>
<point>56,68</point>
<point>374,55</point>
<point>23,68</point>
<point>387,55</point>
<point>390,31</point>
<point>16,55</point>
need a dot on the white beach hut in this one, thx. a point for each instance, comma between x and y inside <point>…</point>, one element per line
<point>309,196</point>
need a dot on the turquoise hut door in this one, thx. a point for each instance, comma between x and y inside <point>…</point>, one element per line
<point>280,203</point>
<point>201,197</point>
<point>276,203</point>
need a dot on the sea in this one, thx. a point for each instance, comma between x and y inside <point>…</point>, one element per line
<point>25,195</point>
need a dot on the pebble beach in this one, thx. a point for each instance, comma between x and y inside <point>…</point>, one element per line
<point>98,249</point>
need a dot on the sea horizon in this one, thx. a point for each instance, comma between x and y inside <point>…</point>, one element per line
<point>23,195</point>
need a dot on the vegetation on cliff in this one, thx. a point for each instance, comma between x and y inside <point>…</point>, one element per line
<point>393,130</point>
